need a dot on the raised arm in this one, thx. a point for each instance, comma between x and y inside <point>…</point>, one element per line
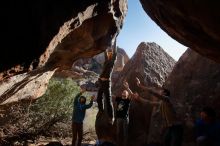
<point>76,100</point>
<point>142,86</point>
<point>149,102</point>
<point>126,85</point>
<point>153,91</point>
<point>90,103</point>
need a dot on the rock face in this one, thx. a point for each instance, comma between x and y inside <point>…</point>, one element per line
<point>104,130</point>
<point>194,83</point>
<point>152,65</point>
<point>24,86</point>
<point>56,34</point>
<point>51,35</point>
<point>149,63</point>
<point>193,23</point>
<point>59,32</point>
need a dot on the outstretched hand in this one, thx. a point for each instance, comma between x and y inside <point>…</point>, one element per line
<point>136,96</point>
<point>125,83</point>
<point>92,97</point>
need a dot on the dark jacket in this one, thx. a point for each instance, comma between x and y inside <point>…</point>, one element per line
<point>108,66</point>
<point>167,110</point>
<point>79,109</point>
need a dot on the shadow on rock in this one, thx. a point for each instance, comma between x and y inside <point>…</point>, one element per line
<point>105,131</point>
<point>54,144</point>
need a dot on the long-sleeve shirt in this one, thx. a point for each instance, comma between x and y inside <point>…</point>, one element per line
<point>166,109</point>
<point>210,130</point>
<point>108,66</point>
<point>79,109</point>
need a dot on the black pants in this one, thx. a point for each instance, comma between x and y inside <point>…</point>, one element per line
<point>77,130</point>
<point>121,131</point>
<point>104,88</point>
<point>173,135</point>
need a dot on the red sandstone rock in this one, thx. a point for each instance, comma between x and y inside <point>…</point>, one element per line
<point>193,23</point>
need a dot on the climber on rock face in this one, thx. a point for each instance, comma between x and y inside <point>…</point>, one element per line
<point>105,83</point>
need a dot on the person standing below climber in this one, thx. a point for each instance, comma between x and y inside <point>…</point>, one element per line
<point>122,115</point>
<point>105,83</point>
<point>79,110</point>
<point>173,129</point>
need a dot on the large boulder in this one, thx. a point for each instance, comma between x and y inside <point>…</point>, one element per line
<point>194,83</point>
<point>152,65</point>
<point>105,131</point>
<point>53,29</point>
<point>52,35</point>
<point>24,86</point>
<point>193,23</point>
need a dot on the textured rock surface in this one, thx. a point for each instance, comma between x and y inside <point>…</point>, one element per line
<point>86,79</point>
<point>104,130</point>
<point>194,83</point>
<point>193,23</point>
<point>24,86</point>
<point>62,31</point>
<point>152,65</point>
<point>53,34</point>
<point>149,63</point>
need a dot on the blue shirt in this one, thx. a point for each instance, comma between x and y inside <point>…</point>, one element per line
<point>79,110</point>
<point>209,130</point>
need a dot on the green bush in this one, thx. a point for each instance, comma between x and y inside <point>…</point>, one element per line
<point>50,115</point>
<point>55,105</point>
<point>38,117</point>
<point>57,101</point>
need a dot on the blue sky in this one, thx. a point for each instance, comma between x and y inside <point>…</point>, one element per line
<point>138,27</point>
